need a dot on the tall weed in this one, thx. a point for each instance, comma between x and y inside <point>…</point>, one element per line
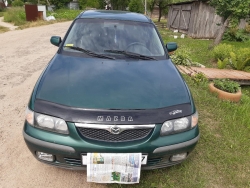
<point>15,15</point>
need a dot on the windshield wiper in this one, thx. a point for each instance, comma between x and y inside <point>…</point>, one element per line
<point>131,54</point>
<point>89,52</point>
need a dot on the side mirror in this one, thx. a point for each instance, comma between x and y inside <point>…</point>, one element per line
<point>171,46</point>
<point>55,40</point>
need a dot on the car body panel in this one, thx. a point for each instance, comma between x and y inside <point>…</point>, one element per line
<point>77,146</point>
<point>115,15</point>
<point>95,83</point>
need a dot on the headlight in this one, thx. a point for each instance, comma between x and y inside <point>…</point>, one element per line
<point>179,125</point>
<point>46,122</point>
<point>51,123</point>
<point>195,118</point>
<point>29,116</point>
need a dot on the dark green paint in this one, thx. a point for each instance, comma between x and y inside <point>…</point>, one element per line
<point>55,40</point>
<point>112,84</point>
<point>115,15</point>
<point>171,46</point>
<point>81,146</point>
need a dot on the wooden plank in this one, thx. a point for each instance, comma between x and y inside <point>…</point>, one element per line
<point>211,73</point>
<point>223,73</point>
<point>184,19</point>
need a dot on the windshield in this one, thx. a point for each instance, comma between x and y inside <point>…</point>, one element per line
<point>102,36</point>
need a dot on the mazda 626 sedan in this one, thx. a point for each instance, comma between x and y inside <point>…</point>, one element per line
<point>111,88</point>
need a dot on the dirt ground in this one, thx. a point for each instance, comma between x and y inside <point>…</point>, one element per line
<point>8,25</point>
<point>23,56</point>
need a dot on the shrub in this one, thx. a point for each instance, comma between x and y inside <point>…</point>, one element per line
<point>226,85</point>
<point>248,28</point>
<point>235,34</point>
<point>199,78</point>
<point>222,51</point>
<point>222,64</point>
<point>15,15</point>
<point>181,57</point>
<point>136,6</point>
<point>241,59</point>
<point>59,3</point>
<point>17,3</point>
<point>91,4</point>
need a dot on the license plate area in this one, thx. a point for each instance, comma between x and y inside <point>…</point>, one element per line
<point>144,159</point>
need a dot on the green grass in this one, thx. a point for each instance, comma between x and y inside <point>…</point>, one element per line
<point>239,44</point>
<point>193,45</point>
<point>64,14</point>
<point>221,158</point>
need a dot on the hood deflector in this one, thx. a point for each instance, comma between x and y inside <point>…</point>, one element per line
<point>118,117</point>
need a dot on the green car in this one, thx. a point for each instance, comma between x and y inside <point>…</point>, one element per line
<point>111,88</point>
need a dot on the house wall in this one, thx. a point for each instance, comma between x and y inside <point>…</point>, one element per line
<point>204,23</point>
<point>196,19</point>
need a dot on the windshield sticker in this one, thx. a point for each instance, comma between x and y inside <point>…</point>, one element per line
<point>69,45</point>
<point>114,25</point>
<point>175,112</point>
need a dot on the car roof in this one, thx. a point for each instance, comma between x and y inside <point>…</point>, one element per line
<point>114,15</point>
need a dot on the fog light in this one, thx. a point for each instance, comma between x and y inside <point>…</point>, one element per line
<point>45,156</point>
<point>179,157</point>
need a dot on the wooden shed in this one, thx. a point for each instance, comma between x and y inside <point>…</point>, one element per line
<point>195,18</point>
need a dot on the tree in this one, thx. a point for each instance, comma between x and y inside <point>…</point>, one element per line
<point>59,3</point>
<point>98,4</point>
<point>136,6</point>
<point>228,10</point>
<point>151,5</point>
<point>119,4</point>
<point>163,6</point>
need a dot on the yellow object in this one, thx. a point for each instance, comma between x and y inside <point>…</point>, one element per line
<point>69,45</point>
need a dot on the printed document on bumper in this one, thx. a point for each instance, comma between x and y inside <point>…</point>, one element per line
<point>123,168</point>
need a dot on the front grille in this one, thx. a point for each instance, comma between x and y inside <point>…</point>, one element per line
<point>73,161</point>
<point>104,135</point>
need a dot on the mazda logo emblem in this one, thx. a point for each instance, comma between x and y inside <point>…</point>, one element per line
<point>115,130</point>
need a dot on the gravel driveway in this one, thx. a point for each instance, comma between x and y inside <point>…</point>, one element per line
<point>23,56</point>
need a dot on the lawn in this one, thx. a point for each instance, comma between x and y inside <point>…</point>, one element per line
<point>221,158</point>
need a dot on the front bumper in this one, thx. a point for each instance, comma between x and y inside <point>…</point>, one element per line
<point>68,149</point>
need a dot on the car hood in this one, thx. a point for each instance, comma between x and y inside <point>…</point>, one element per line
<point>94,83</point>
